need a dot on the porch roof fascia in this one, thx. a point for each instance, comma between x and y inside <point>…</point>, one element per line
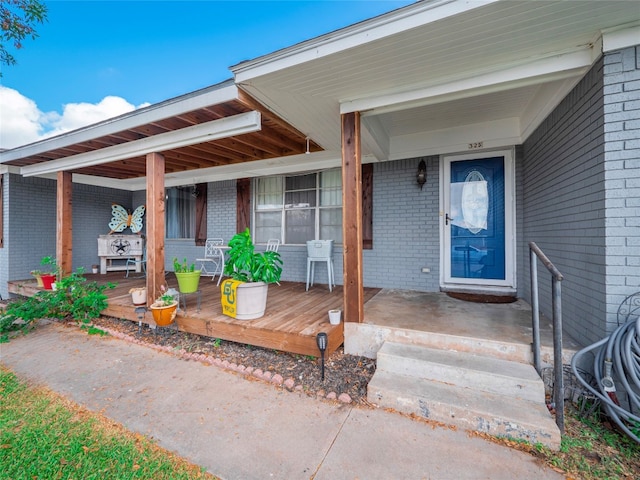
<point>213,95</point>
<point>620,37</point>
<point>314,161</point>
<point>411,16</point>
<point>216,129</point>
<point>9,169</point>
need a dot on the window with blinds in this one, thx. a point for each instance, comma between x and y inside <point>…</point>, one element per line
<point>299,208</point>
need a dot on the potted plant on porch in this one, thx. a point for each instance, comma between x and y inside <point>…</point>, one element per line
<point>37,274</point>
<point>49,278</point>
<point>138,295</point>
<point>187,275</point>
<point>164,308</point>
<point>244,295</point>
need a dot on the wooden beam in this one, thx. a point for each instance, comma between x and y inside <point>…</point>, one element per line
<point>352,218</point>
<point>64,222</point>
<point>243,204</point>
<point>367,206</point>
<point>155,225</point>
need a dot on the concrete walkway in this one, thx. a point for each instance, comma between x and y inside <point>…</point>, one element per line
<point>242,429</point>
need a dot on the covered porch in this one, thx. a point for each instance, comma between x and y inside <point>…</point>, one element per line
<point>294,317</point>
<point>291,323</point>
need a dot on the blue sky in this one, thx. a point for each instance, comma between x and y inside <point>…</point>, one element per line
<point>148,51</point>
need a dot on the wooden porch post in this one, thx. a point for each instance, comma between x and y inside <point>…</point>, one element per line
<point>64,222</point>
<point>155,225</point>
<point>353,291</point>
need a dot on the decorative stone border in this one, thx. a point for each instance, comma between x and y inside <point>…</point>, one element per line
<point>247,371</point>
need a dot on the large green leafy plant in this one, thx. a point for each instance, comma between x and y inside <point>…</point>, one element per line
<point>247,265</point>
<point>74,298</point>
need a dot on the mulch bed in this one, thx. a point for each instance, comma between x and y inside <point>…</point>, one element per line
<point>345,376</point>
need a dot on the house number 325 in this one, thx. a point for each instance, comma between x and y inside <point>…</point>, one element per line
<point>475,145</point>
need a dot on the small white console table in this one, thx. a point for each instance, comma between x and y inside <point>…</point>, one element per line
<point>114,250</point>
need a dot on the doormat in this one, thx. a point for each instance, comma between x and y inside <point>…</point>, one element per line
<point>482,298</point>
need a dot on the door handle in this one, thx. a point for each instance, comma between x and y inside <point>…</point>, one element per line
<point>447,218</point>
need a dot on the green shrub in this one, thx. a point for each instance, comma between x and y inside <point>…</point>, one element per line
<point>74,298</point>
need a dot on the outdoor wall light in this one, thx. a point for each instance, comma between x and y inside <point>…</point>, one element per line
<point>321,340</point>
<point>421,177</point>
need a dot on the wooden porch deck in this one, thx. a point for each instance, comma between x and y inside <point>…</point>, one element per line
<point>293,318</point>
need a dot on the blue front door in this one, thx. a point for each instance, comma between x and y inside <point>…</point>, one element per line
<point>475,221</point>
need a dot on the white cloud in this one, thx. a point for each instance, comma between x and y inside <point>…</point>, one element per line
<point>21,122</point>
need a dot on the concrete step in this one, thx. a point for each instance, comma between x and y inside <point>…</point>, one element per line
<point>466,408</point>
<point>492,375</point>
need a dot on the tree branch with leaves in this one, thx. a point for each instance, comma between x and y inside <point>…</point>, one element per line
<point>18,19</point>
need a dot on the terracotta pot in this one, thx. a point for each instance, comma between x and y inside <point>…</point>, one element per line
<point>164,315</point>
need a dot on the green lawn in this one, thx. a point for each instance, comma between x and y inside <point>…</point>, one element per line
<point>44,436</point>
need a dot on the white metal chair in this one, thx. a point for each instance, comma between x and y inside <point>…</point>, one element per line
<point>320,251</point>
<point>132,263</point>
<point>212,263</point>
<point>272,245</point>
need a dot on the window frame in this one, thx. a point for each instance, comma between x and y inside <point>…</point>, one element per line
<point>282,207</point>
<point>198,207</point>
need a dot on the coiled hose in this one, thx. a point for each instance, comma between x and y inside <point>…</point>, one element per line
<point>616,361</point>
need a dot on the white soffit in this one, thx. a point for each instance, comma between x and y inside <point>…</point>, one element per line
<point>503,46</point>
<point>573,64</point>
<point>143,116</point>
<point>216,129</point>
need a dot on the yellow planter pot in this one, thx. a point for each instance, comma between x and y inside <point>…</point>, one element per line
<point>164,315</point>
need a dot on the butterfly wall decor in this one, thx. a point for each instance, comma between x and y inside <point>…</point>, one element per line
<point>123,218</point>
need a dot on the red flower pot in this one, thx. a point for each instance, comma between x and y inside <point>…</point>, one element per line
<point>48,280</point>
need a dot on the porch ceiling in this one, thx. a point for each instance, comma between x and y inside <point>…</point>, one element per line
<point>452,72</point>
<point>274,139</point>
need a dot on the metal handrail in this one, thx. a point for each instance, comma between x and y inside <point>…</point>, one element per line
<point>556,277</point>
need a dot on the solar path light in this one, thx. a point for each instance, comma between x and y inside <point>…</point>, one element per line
<point>321,340</point>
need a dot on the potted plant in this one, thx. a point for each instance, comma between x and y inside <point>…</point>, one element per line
<point>138,295</point>
<point>244,295</point>
<point>334,316</point>
<point>187,275</point>
<point>164,308</point>
<point>37,274</point>
<point>49,278</point>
